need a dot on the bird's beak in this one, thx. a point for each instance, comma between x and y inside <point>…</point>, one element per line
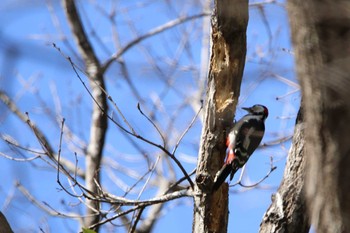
<point>247,109</point>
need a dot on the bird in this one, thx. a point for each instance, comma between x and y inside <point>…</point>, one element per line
<point>242,140</point>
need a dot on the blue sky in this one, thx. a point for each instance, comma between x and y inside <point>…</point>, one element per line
<point>37,73</point>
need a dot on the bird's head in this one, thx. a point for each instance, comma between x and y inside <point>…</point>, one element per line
<point>258,109</point>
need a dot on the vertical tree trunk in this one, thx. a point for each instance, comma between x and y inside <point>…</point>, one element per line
<point>321,39</point>
<point>287,212</point>
<point>229,24</point>
<point>99,121</point>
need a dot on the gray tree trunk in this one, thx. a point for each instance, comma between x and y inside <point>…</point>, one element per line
<point>287,212</point>
<point>321,39</point>
<point>229,24</point>
<point>99,121</point>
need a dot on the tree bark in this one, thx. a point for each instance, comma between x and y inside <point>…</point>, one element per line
<point>229,24</point>
<point>321,39</point>
<point>287,213</point>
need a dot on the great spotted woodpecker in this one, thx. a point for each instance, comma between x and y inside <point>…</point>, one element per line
<point>243,139</point>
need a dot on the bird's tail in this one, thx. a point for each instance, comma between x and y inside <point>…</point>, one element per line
<point>221,176</point>
<point>235,166</point>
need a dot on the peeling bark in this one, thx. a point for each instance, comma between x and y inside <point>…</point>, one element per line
<point>229,24</point>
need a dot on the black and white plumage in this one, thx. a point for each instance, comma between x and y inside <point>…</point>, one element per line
<point>243,139</point>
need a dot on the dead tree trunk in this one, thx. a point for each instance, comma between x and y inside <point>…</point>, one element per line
<point>321,39</point>
<point>229,24</point>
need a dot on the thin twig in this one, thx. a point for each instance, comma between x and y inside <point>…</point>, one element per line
<point>272,168</point>
<point>140,204</point>
<point>187,129</point>
<point>59,165</point>
<point>37,132</point>
<point>44,206</point>
<point>153,32</point>
<point>171,187</point>
<point>178,163</point>
<point>143,188</point>
<point>276,141</point>
<point>152,122</point>
<point>137,219</point>
<point>19,159</point>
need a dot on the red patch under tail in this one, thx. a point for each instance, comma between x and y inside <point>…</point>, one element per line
<point>230,156</point>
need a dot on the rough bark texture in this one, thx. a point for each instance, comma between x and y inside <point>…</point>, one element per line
<point>321,38</point>
<point>287,212</point>
<point>229,24</point>
<point>98,126</point>
<point>4,225</point>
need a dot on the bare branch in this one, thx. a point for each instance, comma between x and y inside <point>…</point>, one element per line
<point>84,45</point>
<point>133,133</point>
<point>153,123</point>
<point>153,32</point>
<point>99,120</point>
<point>18,159</point>
<point>116,200</point>
<point>187,129</point>
<point>43,206</point>
<point>153,212</point>
<point>49,150</point>
<point>257,4</point>
<point>140,204</point>
<point>239,182</point>
<point>276,141</point>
